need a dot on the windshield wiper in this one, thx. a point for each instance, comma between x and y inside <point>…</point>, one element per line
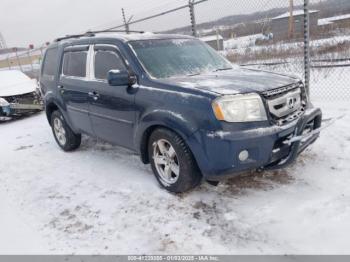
<point>223,69</point>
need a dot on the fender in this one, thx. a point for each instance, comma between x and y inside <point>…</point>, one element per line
<point>51,99</point>
<point>184,127</point>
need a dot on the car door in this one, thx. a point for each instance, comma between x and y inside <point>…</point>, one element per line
<point>73,87</point>
<point>112,108</point>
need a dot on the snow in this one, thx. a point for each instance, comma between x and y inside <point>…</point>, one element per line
<point>211,38</point>
<point>101,199</point>
<point>242,42</point>
<point>331,20</point>
<point>14,82</point>
<point>16,232</point>
<point>324,22</point>
<point>240,45</point>
<point>295,13</point>
<point>225,86</point>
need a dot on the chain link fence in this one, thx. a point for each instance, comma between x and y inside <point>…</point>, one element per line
<point>27,61</point>
<point>263,34</point>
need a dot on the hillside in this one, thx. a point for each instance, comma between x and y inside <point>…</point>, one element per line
<point>243,25</point>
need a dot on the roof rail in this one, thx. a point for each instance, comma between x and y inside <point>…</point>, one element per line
<point>116,31</point>
<point>92,33</point>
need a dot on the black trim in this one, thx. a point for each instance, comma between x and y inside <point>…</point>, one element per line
<point>112,118</point>
<point>297,147</point>
<point>76,48</point>
<point>78,109</point>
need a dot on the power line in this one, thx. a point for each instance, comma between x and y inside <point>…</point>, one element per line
<point>158,14</point>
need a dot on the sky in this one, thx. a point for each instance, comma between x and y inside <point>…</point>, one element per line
<point>24,22</point>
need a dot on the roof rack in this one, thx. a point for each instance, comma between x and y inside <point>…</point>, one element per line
<point>93,33</point>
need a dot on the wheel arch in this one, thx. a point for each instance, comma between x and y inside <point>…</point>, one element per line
<point>161,119</point>
<point>52,105</point>
<point>49,109</point>
<point>146,136</point>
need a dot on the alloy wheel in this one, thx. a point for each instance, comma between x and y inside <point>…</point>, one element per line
<point>166,161</point>
<point>60,132</point>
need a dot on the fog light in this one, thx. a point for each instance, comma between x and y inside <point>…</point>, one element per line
<point>243,155</point>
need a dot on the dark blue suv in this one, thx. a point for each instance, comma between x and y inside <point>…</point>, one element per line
<point>178,103</point>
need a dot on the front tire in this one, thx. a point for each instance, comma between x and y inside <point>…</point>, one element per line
<point>64,135</point>
<point>172,162</point>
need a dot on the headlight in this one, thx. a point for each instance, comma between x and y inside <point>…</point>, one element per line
<point>239,108</point>
<point>3,102</point>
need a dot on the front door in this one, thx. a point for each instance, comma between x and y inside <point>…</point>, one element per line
<point>112,108</point>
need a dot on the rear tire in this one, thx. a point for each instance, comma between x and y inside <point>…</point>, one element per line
<point>172,162</point>
<point>64,135</point>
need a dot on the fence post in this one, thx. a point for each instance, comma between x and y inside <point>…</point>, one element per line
<point>18,60</point>
<point>9,62</point>
<point>126,24</point>
<point>307,47</point>
<point>30,60</point>
<point>193,18</point>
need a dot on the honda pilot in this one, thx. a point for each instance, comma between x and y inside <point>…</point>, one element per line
<point>179,104</point>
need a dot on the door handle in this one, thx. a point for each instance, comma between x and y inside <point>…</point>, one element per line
<point>94,95</point>
<point>61,89</point>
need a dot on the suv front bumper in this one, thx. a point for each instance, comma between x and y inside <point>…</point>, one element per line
<point>273,147</point>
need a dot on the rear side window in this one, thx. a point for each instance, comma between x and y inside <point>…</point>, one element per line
<point>50,62</point>
<point>106,61</point>
<point>74,64</point>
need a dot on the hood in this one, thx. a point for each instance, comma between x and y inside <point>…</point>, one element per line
<point>14,83</point>
<point>235,81</point>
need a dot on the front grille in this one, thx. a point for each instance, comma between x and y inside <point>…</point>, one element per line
<point>286,103</point>
<point>29,98</point>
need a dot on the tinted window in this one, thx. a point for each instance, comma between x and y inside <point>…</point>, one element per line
<point>74,63</point>
<point>106,61</point>
<point>50,62</point>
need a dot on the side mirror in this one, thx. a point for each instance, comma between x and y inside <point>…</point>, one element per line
<point>120,78</point>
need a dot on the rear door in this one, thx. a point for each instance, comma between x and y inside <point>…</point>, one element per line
<point>112,108</point>
<point>73,86</point>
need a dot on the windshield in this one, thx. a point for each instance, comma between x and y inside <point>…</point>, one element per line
<point>163,58</point>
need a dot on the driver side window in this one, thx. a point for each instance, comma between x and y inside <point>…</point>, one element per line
<point>105,61</point>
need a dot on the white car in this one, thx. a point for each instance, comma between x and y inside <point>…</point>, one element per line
<point>18,94</point>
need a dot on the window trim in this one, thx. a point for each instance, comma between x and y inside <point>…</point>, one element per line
<point>76,48</point>
<point>90,60</point>
<point>109,47</point>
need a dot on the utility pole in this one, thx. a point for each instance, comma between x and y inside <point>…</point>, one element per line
<point>125,22</point>
<point>291,19</point>
<point>2,41</point>
<point>18,60</point>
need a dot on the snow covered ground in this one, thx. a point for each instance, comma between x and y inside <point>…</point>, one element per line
<point>242,42</point>
<point>101,199</point>
<point>245,50</point>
